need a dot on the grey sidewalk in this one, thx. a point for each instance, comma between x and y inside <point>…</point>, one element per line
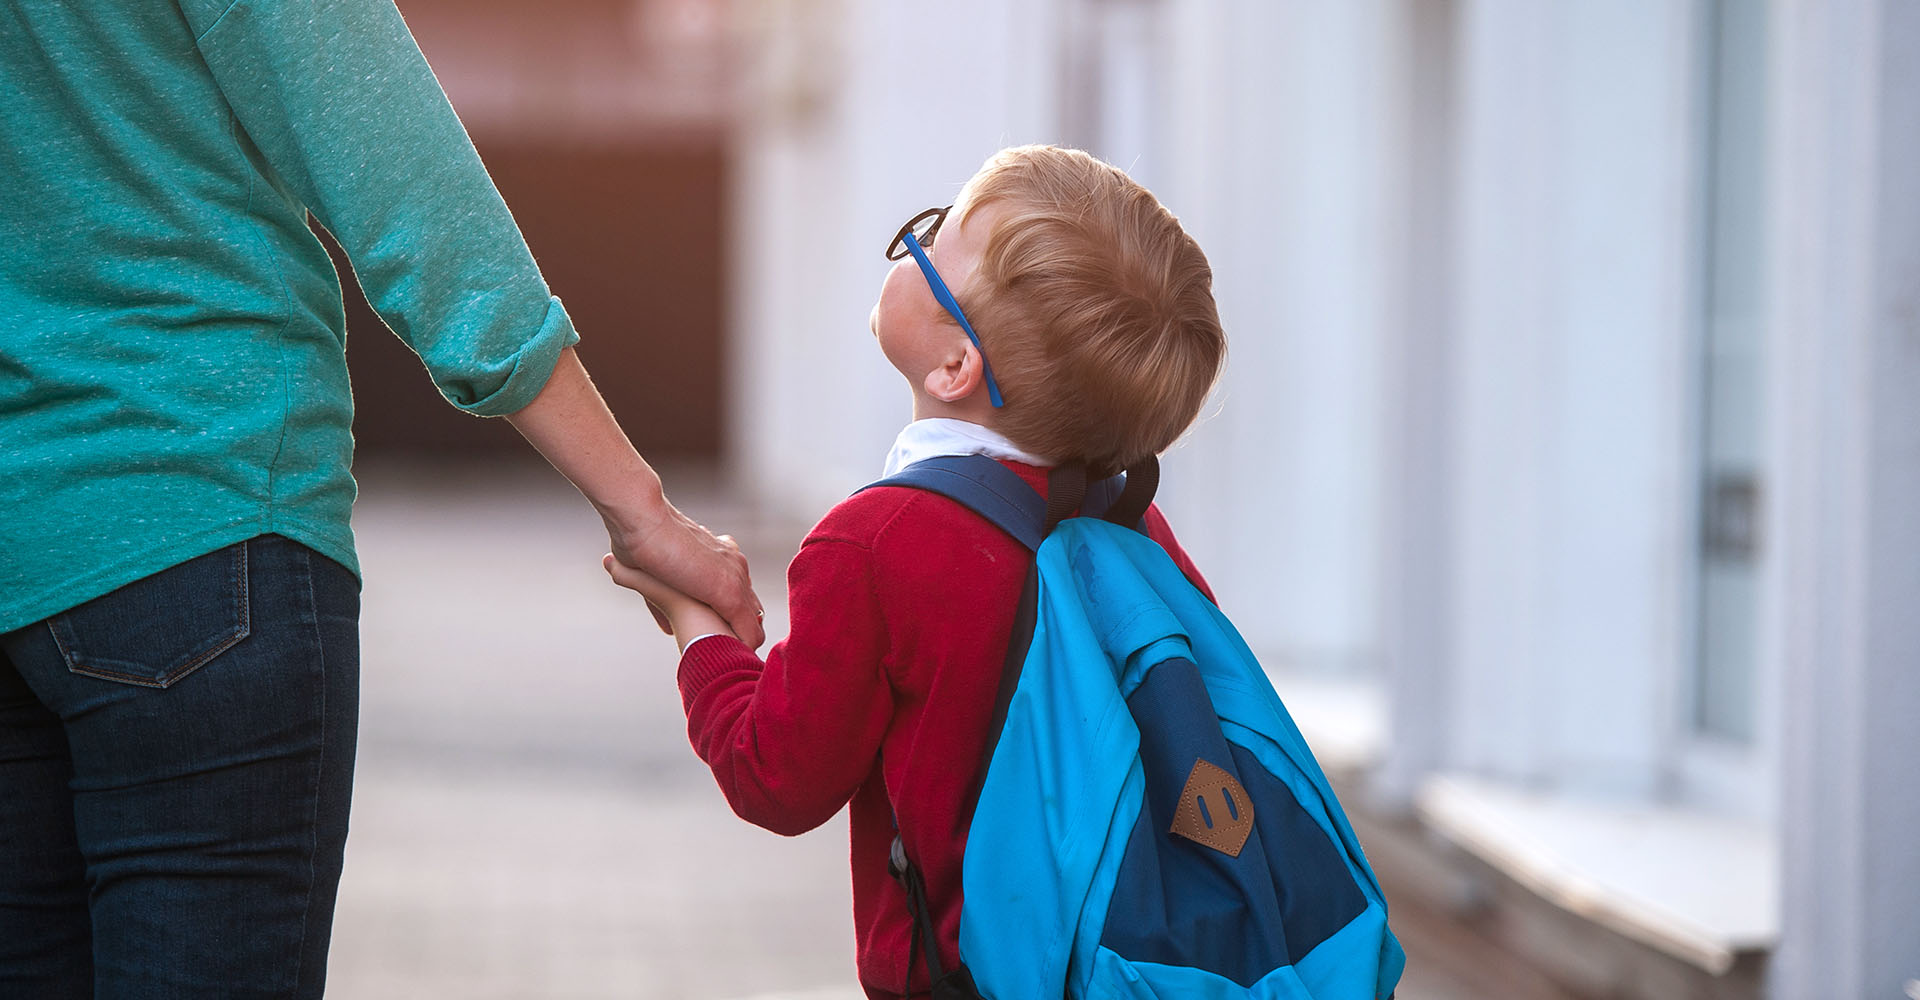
<point>529,821</point>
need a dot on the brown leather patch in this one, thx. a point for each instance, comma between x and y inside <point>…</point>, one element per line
<point>1214,810</point>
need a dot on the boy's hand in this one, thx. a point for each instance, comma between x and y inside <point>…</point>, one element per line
<point>681,616</point>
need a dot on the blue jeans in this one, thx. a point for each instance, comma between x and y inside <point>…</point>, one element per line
<point>176,760</point>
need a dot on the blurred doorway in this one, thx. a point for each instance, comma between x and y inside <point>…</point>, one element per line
<point>604,124</point>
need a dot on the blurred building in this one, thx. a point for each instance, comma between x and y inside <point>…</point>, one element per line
<point>1568,457</point>
<point>605,125</point>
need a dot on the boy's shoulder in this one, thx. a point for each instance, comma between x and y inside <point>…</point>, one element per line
<point>884,517</point>
<point>917,537</point>
<point>877,518</point>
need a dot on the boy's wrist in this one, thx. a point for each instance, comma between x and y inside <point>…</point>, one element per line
<point>691,626</point>
<point>690,643</point>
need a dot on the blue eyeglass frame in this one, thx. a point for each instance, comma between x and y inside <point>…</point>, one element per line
<point>941,294</point>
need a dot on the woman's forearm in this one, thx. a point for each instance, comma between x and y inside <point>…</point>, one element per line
<point>570,425</point>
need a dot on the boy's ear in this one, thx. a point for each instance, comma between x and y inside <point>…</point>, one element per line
<point>959,376</point>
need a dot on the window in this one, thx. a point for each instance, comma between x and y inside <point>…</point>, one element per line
<point>1724,702</point>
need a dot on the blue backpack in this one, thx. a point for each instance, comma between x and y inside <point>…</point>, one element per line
<point>1148,822</point>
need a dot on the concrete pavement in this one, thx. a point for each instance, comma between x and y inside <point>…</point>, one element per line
<point>529,821</point>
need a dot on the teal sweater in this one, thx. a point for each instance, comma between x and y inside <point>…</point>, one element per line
<point>172,347</point>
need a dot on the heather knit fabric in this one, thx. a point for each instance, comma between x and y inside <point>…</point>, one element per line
<point>172,344</point>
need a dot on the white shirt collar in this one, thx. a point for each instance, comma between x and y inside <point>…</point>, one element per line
<point>937,436</point>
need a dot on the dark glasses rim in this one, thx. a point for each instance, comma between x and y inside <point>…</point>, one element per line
<point>897,248</point>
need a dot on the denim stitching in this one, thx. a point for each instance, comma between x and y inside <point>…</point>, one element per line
<point>319,770</point>
<point>242,609</point>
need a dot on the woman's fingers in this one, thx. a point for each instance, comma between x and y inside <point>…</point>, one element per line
<point>727,587</point>
<point>744,614</point>
<point>660,618</point>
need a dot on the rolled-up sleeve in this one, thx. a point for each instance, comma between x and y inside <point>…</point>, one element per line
<point>341,104</point>
<point>492,386</point>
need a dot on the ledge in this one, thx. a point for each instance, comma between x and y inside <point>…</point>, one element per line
<point>1344,719</point>
<point>1699,887</point>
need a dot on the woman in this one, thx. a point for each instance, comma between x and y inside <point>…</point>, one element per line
<point>179,597</point>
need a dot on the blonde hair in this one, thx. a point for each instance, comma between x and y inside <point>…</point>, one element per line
<point>1094,307</point>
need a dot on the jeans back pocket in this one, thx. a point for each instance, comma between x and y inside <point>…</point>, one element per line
<point>158,629</point>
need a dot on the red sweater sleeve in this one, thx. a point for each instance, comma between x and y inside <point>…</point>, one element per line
<point>790,740</point>
<point>1160,531</point>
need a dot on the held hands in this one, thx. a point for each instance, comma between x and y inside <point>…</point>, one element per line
<point>683,617</point>
<point>684,564</point>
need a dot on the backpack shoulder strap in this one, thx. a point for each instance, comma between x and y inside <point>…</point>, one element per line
<point>997,493</point>
<point>983,486</point>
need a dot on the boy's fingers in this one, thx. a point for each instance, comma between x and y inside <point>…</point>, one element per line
<point>634,580</point>
<point>630,578</point>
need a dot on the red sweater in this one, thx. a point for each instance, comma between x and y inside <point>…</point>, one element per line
<point>902,604</point>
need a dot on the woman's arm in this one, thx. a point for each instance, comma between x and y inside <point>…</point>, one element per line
<point>339,100</point>
<point>569,423</point>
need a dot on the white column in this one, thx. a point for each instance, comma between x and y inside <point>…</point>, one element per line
<point>869,111</point>
<point>1279,134</point>
<point>1574,329</point>
<point>1504,329</point>
<point>1846,328</point>
<point>1417,563</point>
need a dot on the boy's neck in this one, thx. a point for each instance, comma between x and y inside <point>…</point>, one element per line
<point>969,410</point>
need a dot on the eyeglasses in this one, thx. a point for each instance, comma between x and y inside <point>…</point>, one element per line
<point>919,232</point>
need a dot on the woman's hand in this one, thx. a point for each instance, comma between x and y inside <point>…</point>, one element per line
<point>570,425</point>
<point>681,616</point>
<point>685,558</point>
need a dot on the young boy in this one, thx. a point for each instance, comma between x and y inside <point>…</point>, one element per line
<point>1096,326</point>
